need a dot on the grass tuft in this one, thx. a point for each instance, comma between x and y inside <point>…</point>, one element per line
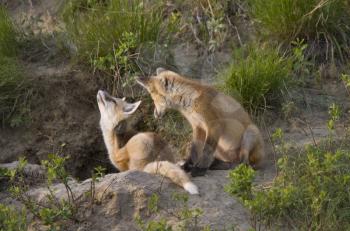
<point>107,34</point>
<point>8,44</point>
<point>256,76</point>
<point>97,27</point>
<point>323,24</point>
<point>13,93</point>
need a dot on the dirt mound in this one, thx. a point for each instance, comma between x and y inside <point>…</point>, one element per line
<point>121,196</point>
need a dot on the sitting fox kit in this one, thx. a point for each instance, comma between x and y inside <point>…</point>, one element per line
<point>144,151</point>
<point>223,133</point>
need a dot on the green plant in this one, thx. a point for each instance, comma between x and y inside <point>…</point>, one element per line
<point>98,173</point>
<point>334,113</point>
<point>153,225</point>
<point>346,80</point>
<point>187,217</point>
<point>55,210</point>
<point>174,128</point>
<point>301,66</point>
<point>321,23</point>
<point>310,192</point>
<point>256,76</point>
<point>108,33</point>
<point>56,172</point>
<point>153,203</point>
<point>208,27</point>
<point>12,219</point>
<point>14,93</point>
<point>8,42</point>
<point>241,182</point>
<point>14,90</point>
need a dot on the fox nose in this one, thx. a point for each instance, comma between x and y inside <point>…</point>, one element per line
<point>142,80</point>
<point>101,95</point>
<point>101,92</point>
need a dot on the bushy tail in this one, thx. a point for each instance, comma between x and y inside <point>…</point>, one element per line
<point>174,173</point>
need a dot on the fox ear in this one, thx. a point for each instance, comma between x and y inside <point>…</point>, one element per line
<point>130,108</point>
<point>160,70</point>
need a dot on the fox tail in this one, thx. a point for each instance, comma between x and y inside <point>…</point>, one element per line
<point>173,172</point>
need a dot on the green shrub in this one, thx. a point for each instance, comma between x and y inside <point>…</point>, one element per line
<point>8,44</point>
<point>311,191</point>
<point>256,76</point>
<point>57,211</point>
<point>12,219</point>
<point>324,24</point>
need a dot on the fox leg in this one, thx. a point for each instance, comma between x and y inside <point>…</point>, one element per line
<point>205,156</point>
<point>221,165</point>
<point>120,160</point>
<point>196,145</point>
<point>252,148</point>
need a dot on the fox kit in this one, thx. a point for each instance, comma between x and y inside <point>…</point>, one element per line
<point>223,133</point>
<point>144,151</point>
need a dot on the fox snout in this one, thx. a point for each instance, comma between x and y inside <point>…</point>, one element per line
<point>101,98</point>
<point>157,114</point>
<point>142,80</point>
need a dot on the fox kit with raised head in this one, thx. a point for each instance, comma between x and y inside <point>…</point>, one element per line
<point>144,151</point>
<point>223,133</point>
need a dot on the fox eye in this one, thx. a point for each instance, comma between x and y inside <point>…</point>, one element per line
<point>166,83</point>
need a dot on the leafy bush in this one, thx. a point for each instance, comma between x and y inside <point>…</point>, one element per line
<point>311,191</point>
<point>12,219</point>
<point>324,24</point>
<point>56,211</point>
<point>256,76</point>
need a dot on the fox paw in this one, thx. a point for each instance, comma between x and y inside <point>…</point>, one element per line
<point>196,171</point>
<point>187,166</point>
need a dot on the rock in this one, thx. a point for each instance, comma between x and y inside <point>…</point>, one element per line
<point>120,197</point>
<point>32,172</point>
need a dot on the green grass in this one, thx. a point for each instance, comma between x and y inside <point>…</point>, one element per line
<point>256,76</point>
<point>108,35</point>
<point>323,24</point>
<point>173,127</point>
<point>13,91</point>
<point>8,44</point>
<point>96,28</point>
